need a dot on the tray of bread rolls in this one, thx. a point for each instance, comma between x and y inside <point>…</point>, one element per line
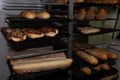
<point>87,73</point>
<point>90,30</point>
<point>20,39</point>
<point>88,55</point>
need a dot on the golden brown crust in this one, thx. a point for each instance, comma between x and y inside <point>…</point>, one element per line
<point>90,13</point>
<point>16,35</point>
<point>97,53</point>
<point>43,15</point>
<point>86,57</point>
<point>42,66</point>
<point>80,14</point>
<point>86,70</point>
<point>28,14</point>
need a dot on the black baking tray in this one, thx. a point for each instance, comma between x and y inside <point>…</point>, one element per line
<point>81,63</point>
<point>102,31</point>
<point>96,75</point>
<point>57,74</point>
<point>56,41</point>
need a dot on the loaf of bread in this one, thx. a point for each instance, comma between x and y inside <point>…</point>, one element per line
<point>97,53</point>
<point>43,15</point>
<point>78,1</point>
<point>49,32</point>
<point>28,14</point>
<point>33,33</point>
<point>101,14</point>
<point>109,54</point>
<point>97,68</point>
<point>16,35</point>
<point>105,66</point>
<point>88,30</point>
<point>42,66</point>
<point>86,70</point>
<point>49,57</point>
<point>86,57</point>
<point>90,14</point>
<point>80,14</point>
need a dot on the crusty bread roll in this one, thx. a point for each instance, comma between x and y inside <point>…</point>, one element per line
<point>97,68</point>
<point>49,32</point>
<point>28,14</point>
<point>88,30</point>
<point>42,66</point>
<point>16,35</point>
<point>33,33</point>
<point>86,57</point>
<point>86,70</point>
<point>97,54</point>
<point>90,14</point>
<point>80,14</point>
<point>43,15</point>
<point>108,53</point>
<point>105,66</point>
<point>78,1</point>
<point>102,14</point>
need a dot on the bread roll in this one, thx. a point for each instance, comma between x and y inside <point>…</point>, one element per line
<point>80,14</point>
<point>28,14</point>
<point>78,1</point>
<point>33,34</point>
<point>86,70</point>
<point>101,14</point>
<point>88,30</point>
<point>108,53</point>
<point>86,57</point>
<point>42,66</point>
<point>97,54</point>
<point>105,66</point>
<point>43,15</point>
<point>90,14</point>
<point>49,32</point>
<point>16,35</point>
<point>97,68</point>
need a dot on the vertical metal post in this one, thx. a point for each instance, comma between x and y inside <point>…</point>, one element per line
<point>115,26</point>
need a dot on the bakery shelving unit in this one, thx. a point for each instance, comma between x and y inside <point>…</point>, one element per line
<point>15,21</point>
<point>76,69</point>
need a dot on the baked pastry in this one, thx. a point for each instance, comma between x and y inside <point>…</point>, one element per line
<point>28,14</point>
<point>97,53</point>
<point>86,70</point>
<point>86,57</point>
<point>49,32</point>
<point>105,66</point>
<point>101,14</point>
<point>16,35</point>
<point>33,33</point>
<point>78,1</point>
<point>80,14</point>
<point>43,15</point>
<point>88,30</point>
<point>90,14</point>
<point>109,54</point>
<point>42,66</point>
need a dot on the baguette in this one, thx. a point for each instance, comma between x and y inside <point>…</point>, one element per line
<point>105,66</point>
<point>88,58</point>
<point>97,53</point>
<point>42,66</point>
<point>86,70</point>
<point>50,57</point>
<point>109,54</point>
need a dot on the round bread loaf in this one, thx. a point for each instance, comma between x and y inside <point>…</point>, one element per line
<point>28,14</point>
<point>32,33</point>
<point>16,35</point>
<point>43,15</point>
